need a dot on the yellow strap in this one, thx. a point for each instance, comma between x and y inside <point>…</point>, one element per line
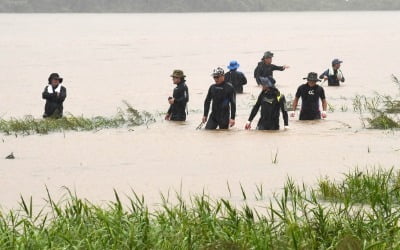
<point>278,97</point>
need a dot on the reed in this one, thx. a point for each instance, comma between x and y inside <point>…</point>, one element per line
<point>127,116</point>
<point>359,212</point>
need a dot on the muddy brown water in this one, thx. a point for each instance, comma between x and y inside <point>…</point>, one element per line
<point>107,58</point>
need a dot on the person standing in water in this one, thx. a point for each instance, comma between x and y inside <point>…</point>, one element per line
<point>235,77</point>
<point>310,94</point>
<point>223,98</point>
<point>272,102</point>
<point>334,75</point>
<point>179,99</point>
<point>54,94</point>
<point>265,68</point>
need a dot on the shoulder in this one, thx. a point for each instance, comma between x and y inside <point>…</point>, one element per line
<point>229,85</point>
<point>303,86</point>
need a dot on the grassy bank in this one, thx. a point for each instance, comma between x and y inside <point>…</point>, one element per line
<point>127,116</point>
<point>359,212</point>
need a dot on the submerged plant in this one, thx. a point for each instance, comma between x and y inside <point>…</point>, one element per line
<point>30,125</point>
<point>383,110</point>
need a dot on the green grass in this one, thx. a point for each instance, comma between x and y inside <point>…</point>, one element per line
<point>30,125</point>
<point>359,212</point>
<point>382,110</point>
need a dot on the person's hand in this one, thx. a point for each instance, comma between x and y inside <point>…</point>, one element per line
<point>286,66</point>
<point>323,114</point>
<point>231,122</point>
<point>171,101</point>
<point>325,78</point>
<point>204,120</point>
<point>286,127</point>
<point>167,117</point>
<point>293,114</point>
<point>248,125</point>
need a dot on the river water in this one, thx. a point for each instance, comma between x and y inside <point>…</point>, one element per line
<point>107,58</point>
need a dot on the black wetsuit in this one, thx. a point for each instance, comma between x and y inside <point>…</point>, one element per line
<point>177,110</point>
<point>272,103</point>
<point>54,103</point>
<point>237,78</point>
<point>223,105</point>
<point>333,80</point>
<point>310,101</point>
<point>266,70</point>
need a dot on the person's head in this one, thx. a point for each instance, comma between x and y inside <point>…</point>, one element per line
<point>218,75</point>
<point>267,58</point>
<point>233,65</point>
<point>55,79</point>
<point>312,79</point>
<point>178,76</point>
<point>336,63</point>
<point>266,83</point>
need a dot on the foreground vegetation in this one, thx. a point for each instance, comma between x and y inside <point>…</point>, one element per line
<point>29,125</point>
<point>191,5</point>
<point>360,212</point>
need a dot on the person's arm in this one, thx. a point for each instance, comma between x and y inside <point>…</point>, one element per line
<point>324,105</point>
<point>296,99</point>
<point>232,100</point>
<point>280,68</point>
<point>255,108</point>
<point>257,73</point>
<point>295,102</point>
<point>243,79</point>
<point>342,80</point>
<point>48,96</point>
<point>207,103</point>
<point>62,95</point>
<point>284,110</point>
<point>324,74</point>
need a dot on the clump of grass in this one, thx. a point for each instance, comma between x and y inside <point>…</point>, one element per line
<point>299,217</point>
<point>30,125</point>
<point>367,187</point>
<point>383,110</point>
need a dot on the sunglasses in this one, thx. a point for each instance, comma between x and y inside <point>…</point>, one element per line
<point>216,77</point>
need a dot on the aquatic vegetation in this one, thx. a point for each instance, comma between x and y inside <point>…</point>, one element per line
<point>383,111</point>
<point>30,125</point>
<point>359,212</point>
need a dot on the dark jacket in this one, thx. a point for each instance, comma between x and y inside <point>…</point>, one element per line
<point>272,102</point>
<point>332,79</point>
<point>177,110</point>
<point>265,70</point>
<point>54,102</point>
<point>223,100</point>
<point>237,79</point>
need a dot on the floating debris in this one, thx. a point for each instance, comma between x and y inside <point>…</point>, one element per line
<point>10,156</point>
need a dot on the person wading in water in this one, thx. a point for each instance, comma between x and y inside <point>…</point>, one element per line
<point>179,99</point>
<point>54,94</point>
<point>223,98</point>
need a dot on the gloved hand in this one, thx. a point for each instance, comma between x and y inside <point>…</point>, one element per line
<point>248,125</point>
<point>323,114</point>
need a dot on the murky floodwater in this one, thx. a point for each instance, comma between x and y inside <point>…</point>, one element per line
<point>105,59</point>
